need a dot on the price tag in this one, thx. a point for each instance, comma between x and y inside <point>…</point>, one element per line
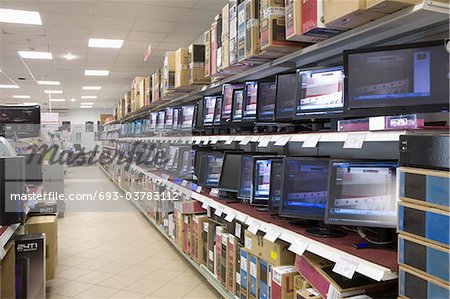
<point>205,205</point>
<point>229,140</point>
<point>345,267</point>
<point>199,189</point>
<point>184,183</point>
<point>246,140</point>
<point>253,227</point>
<point>197,140</point>
<point>241,217</point>
<point>333,293</point>
<point>237,230</point>
<point>230,217</point>
<point>214,192</point>
<point>264,141</point>
<point>355,141</point>
<point>311,141</point>
<point>219,211</point>
<point>272,235</point>
<point>282,141</point>
<point>298,247</point>
<point>214,140</point>
<point>205,140</point>
<point>208,212</point>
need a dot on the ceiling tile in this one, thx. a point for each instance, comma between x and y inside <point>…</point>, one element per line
<point>145,36</point>
<point>112,23</point>
<point>182,39</point>
<point>65,19</point>
<point>153,26</point>
<point>215,5</point>
<point>190,28</point>
<point>152,12</point>
<point>74,7</point>
<point>121,9</point>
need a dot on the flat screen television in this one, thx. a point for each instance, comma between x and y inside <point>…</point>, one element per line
<point>266,101</point>
<point>218,111</point>
<point>172,158</point>
<point>153,121</point>
<point>362,193</point>
<point>209,108</point>
<point>262,181</point>
<point>138,127</point>
<point>276,173</point>
<point>286,97</point>
<point>229,177</point>
<point>197,122</point>
<point>176,118</point>
<point>250,101</point>
<point>20,121</point>
<point>245,178</point>
<point>227,102</point>
<point>238,102</point>
<point>210,165</point>
<point>160,120</point>
<point>320,92</point>
<point>412,78</point>
<point>168,121</point>
<point>187,117</point>
<point>186,163</point>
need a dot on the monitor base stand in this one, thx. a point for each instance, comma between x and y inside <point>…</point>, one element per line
<point>262,209</point>
<point>230,197</point>
<point>321,230</point>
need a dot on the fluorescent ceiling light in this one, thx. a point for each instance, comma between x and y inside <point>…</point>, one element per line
<point>49,82</point>
<point>35,55</point>
<point>72,100</point>
<point>92,87</point>
<point>20,16</point>
<point>86,104</point>
<point>21,97</point>
<point>88,97</point>
<point>53,91</point>
<point>8,86</point>
<point>57,100</point>
<point>105,43</point>
<point>69,56</point>
<point>85,107</point>
<point>96,73</point>
<point>31,104</point>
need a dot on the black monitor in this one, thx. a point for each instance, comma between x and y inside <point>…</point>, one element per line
<point>218,112</point>
<point>276,173</point>
<point>187,117</point>
<point>229,177</point>
<point>245,178</point>
<point>160,158</point>
<point>250,101</point>
<point>210,167</point>
<point>266,101</point>
<point>286,97</point>
<point>172,158</point>
<point>198,114</point>
<point>209,108</point>
<point>168,121</point>
<point>320,92</point>
<point>176,118</point>
<point>227,102</point>
<point>160,120</point>
<point>262,166</point>
<point>362,193</point>
<point>186,163</point>
<point>21,121</point>
<point>410,78</point>
<point>238,102</point>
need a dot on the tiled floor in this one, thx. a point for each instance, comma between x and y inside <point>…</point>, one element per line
<point>117,254</point>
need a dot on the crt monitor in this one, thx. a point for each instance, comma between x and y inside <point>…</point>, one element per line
<point>276,173</point>
<point>262,181</point>
<point>187,117</point>
<point>250,101</point>
<point>227,102</point>
<point>362,194</point>
<point>209,107</point>
<point>217,112</point>
<point>305,188</point>
<point>320,92</point>
<point>229,177</point>
<point>286,97</point>
<point>411,78</point>
<point>266,101</point>
<point>238,102</point>
<point>210,164</point>
<point>245,178</point>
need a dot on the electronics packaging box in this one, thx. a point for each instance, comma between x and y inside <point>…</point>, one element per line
<point>231,263</point>
<point>425,187</point>
<point>309,293</point>
<point>182,71</point>
<point>207,42</point>
<point>233,32</point>
<point>300,283</point>
<point>211,245</point>
<point>348,14</point>
<point>424,258</point>
<point>179,229</point>
<point>225,36</point>
<point>197,65</point>
<point>223,259</point>
<point>30,266</point>
<point>218,252</point>
<point>189,207</point>
<point>276,253</point>
<point>197,237</point>
<point>214,46</point>
<point>319,273</point>
<point>241,30</point>
<point>283,282</point>
<point>264,279</point>
<point>44,208</point>
<point>148,91</point>
<point>49,226</point>
<point>237,268</point>
<point>244,273</point>
<point>169,72</point>
<point>219,43</point>
<point>156,86</point>
<point>424,223</point>
<point>7,272</point>
<point>187,233</point>
<point>203,256</point>
<point>415,285</point>
<point>398,122</point>
<point>253,288</point>
<point>252,42</point>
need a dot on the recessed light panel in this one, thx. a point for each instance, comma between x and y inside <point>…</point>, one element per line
<point>92,87</point>
<point>20,17</point>
<point>9,86</point>
<point>105,43</point>
<point>53,91</point>
<point>21,97</point>
<point>49,82</point>
<point>35,55</point>
<point>96,72</point>
<point>88,97</point>
<point>57,100</point>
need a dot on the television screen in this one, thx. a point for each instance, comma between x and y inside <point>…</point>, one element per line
<point>250,100</point>
<point>407,77</point>
<point>362,194</point>
<point>227,102</point>
<point>238,102</point>
<point>286,96</point>
<point>153,121</point>
<point>229,178</point>
<point>246,175</point>
<point>138,127</point>
<point>276,173</point>
<point>213,169</point>
<point>209,107</point>
<point>305,188</point>
<point>186,163</point>
<point>320,91</point>
<point>218,111</point>
<point>261,180</point>
<point>266,101</point>
<point>160,120</point>
<point>168,122</point>
<point>176,118</point>
<point>187,116</point>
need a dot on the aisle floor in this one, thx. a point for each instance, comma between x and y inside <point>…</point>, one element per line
<point>117,254</point>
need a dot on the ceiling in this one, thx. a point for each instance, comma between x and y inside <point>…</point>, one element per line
<point>67,26</point>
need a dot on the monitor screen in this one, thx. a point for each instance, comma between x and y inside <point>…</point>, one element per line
<point>227,102</point>
<point>229,178</point>
<point>172,158</point>
<point>160,120</point>
<point>187,116</point>
<point>266,101</point>
<point>397,76</point>
<point>305,188</point>
<point>238,102</point>
<point>186,163</point>
<point>138,127</point>
<point>276,173</point>
<point>153,120</point>
<point>246,176</point>
<point>213,168</point>
<point>250,100</point>
<point>209,107</point>
<point>176,118</point>
<point>261,180</point>
<point>286,96</point>
<point>218,111</point>
<point>362,194</point>
<point>320,91</point>
<point>168,122</point>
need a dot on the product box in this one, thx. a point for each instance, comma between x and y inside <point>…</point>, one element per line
<point>189,207</point>
<point>138,92</point>
<point>179,229</point>
<point>389,6</point>
<point>171,225</point>
<point>425,187</point>
<point>415,285</point>
<point>231,263</point>
<point>203,256</point>
<point>129,107</point>
<point>218,252</point>
<point>233,58</point>
<point>424,223</point>
<point>156,86</point>
<point>211,246</point>
<point>182,71</point>
<point>253,288</point>
<point>187,233</point>
<point>44,208</point>
<point>319,273</point>
<point>252,41</point>
<point>309,293</point>
<point>7,272</point>
<point>214,46</point>
<point>30,266</point>
<point>148,91</point>
<point>197,237</point>
<point>237,269</point>
<point>197,65</point>
<point>300,283</point>
<point>244,274</point>
<point>241,30</point>
<point>223,259</point>
<point>397,122</point>
<point>169,72</point>
<point>207,41</point>
<point>264,279</point>
<point>225,36</point>
<point>276,253</point>
<point>219,44</point>
<point>424,258</point>
<point>348,14</point>
<point>283,282</point>
<point>49,226</point>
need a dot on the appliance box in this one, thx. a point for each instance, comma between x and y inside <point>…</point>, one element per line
<point>283,282</point>
<point>415,285</point>
<point>253,289</point>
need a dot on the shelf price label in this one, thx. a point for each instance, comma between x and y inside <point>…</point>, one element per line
<point>272,235</point>
<point>311,141</point>
<point>214,192</point>
<point>264,141</point>
<point>229,140</point>
<point>241,217</point>
<point>230,217</point>
<point>345,267</point>
<point>253,227</point>
<point>298,247</point>
<point>199,189</point>
<point>246,140</point>
<point>214,140</point>
<point>184,183</point>
<point>355,141</point>
<point>282,141</point>
<point>219,211</point>
<point>205,205</point>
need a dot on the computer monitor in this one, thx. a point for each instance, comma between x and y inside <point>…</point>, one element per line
<point>250,101</point>
<point>153,121</point>
<point>160,120</point>
<point>262,166</point>
<point>266,101</point>
<point>320,92</point>
<point>209,107</point>
<point>160,158</point>
<point>410,78</point>
<point>20,120</point>
<point>187,117</point>
<point>305,188</point>
<point>176,118</point>
<point>186,163</point>
<point>286,97</point>
<point>229,177</point>
<point>218,112</point>
<point>362,193</point>
<point>33,168</point>
<point>210,164</point>
<point>245,178</point>
<point>168,121</point>
<point>276,173</point>
<point>238,102</point>
<point>138,127</point>
<point>227,102</point>
<point>172,158</point>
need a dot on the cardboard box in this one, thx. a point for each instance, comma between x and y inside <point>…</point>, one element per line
<point>348,14</point>
<point>211,246</point>
<point>189,207</point>
<point>203,256</point>
<point>208,57</point>
<point>300,283</point>
<point>182,71</point>
<point>225,36</point>
<point>169,72</point>
<point>389,6</point>
<point>197,237</point>
<point>283,282</point>
<point>252,41</point>
<point>223,259</point>
<point>244,273</point>
<point>187,233</point>
<point>253,288</point>
<point>179,228</point>
<point>231,263</point>
<point>138,92</point>
<point>309,293</point>
<point>214,45</point>
<point>156,86</point>
<point>219,44</point>
<point>415,285</point>
<point>218,252</point>
<point>148,91</point>
<point>237,269</point>
<point>233,59</point>
<point>49,226</point>
<point>264,279</point>
<point>275,253</point>
<point>197,65</point>
<point>241,30</point>
<point>8,272</point>
<point>128,103</point>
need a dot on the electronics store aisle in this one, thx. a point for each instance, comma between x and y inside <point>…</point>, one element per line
<point>117,254</point>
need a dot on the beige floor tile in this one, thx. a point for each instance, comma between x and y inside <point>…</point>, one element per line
<point>127,294</point>
<point>72,288</point>
<point>92,264</point>
<point>173,291</point>
<point>56,282</point>
<point>114,267</point>
<point>163,275</point>
<point>55,296</point>
<point>72,273</point>
<point>202,293</point>
<point>94,277</point>
<point>144,286</point>
<point>177,266</point>
<point>138,271</point>
<point>97,292</point>
<point>187,280</point>
<point>118,281</point>
<point>73,261</point>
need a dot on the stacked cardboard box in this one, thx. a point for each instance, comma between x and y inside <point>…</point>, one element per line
<point>197,240</point>
<point>138,92</point>
<point>129,107</point>
<point>168,77</point>
<point>216,45</point>
<point>197,66</point>
<point>156,86</point>
<point>7,272</point>
<point>225,37</point>
<point>148,91</point>
<point>182,67</point>
<point>233,32</point>
<point>252,40</point>
<point>208,57</point>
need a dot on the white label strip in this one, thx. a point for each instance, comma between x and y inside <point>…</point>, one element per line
<point>298,247</point>
<point>345,267</point>
<point>355,141</point>
<point>311,141</point>
<point>282,141</point>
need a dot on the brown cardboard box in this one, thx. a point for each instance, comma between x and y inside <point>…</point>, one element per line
<point>187,241</point>
<point>389,6</point>
<point>128,103</point>
<point>233,58</point>
<point>7,272</point>
<point>214,45</point>
<point>241,31</point>
<point>148,91</point>
<point>49,226</point>
<point>179,228</point>
<point>309,293</point>
<point>138,92</point>
<point>182,67</point>
<point>231,263</point>
<point>156,86</point>
<point>275,253</point>
<point>169,72</point>
<point>252,41</point>
<point>197,65</point>
<point>300,283</point>
<point>253,285</point>
<point>244,257</point>
<point>197,237</point>
<point>348,14</point>
<point>282,282</point>
<point>208,53</point>
<point>225,36</point>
